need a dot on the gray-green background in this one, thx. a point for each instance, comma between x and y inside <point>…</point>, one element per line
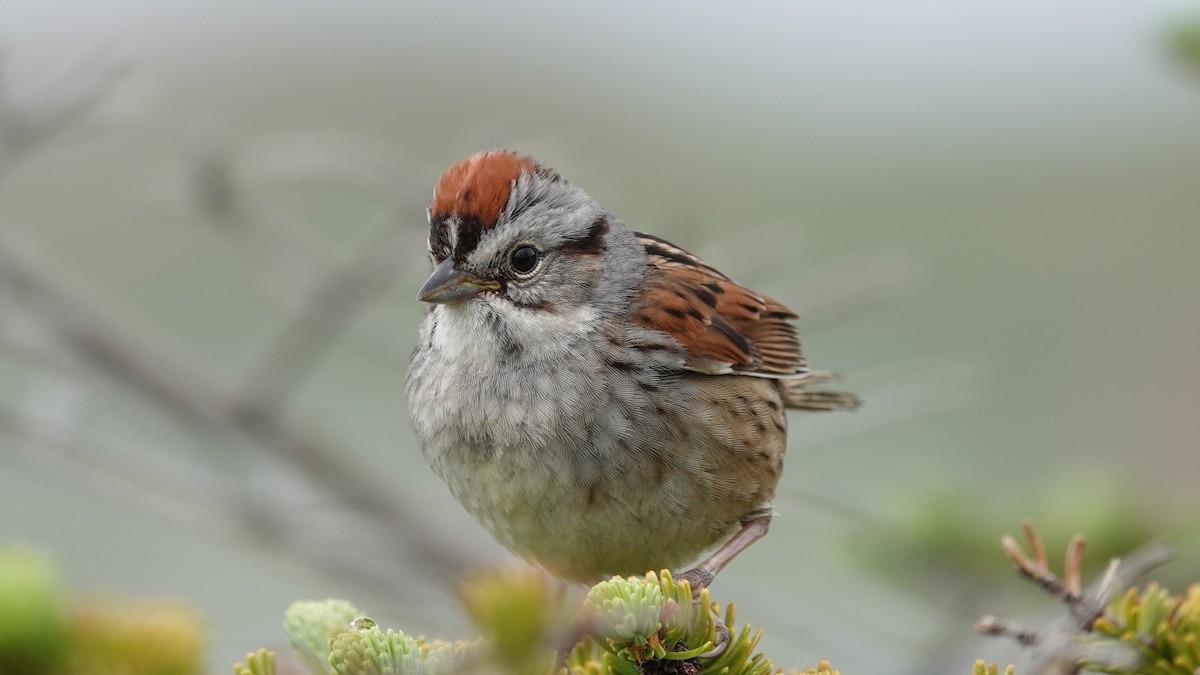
<point>988,214</point>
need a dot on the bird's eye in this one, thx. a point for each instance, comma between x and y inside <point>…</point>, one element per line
<point>524,259</point>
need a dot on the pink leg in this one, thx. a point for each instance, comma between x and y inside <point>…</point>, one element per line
<point>703,574</point>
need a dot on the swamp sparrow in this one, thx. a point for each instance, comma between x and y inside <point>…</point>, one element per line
<point>602,401</point>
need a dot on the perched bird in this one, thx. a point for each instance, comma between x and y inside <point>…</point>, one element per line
<point>602,401</point>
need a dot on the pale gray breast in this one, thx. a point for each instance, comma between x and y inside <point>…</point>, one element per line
<point>619,411</point>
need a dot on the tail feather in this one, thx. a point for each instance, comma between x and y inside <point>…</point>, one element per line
<point>800,394</point>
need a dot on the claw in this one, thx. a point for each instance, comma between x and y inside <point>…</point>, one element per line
<point>722,637</point>
<point>698,579</point>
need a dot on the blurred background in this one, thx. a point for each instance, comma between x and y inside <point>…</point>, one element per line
<point>212,231</point>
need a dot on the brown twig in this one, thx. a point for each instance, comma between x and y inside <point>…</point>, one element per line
<point>1073,567</point>
<point>990,625</point>
<point>1057,649</point>
<point>1037,569</point>
<point>1035,544</point>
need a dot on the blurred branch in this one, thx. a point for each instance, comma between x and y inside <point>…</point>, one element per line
<point>24,126</point>
<point>43,313</point>
<point>44,431</point>
<point>193,398</point>
<point>216,191</point>
<point>327,311</point>
<point>328,295</point>
<point>326,306</point>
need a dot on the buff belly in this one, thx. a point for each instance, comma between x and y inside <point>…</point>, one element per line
<point>576,528</point>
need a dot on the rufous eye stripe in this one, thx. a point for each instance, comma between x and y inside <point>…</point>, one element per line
<point>477,188</point>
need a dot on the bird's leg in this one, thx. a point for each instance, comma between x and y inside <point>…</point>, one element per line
<point>699,577</point>
<point>753,529</point>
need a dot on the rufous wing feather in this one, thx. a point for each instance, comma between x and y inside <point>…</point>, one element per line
<point>724,327</point>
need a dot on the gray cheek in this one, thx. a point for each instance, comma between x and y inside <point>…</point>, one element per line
<point>527,294</point>
<point>565,282</point>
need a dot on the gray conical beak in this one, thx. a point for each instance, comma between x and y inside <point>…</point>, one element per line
<point>448,284</point>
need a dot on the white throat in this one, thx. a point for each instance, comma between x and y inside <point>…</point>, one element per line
<point>491,329</point>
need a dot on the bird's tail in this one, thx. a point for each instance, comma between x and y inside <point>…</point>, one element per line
<point>805,394</point>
